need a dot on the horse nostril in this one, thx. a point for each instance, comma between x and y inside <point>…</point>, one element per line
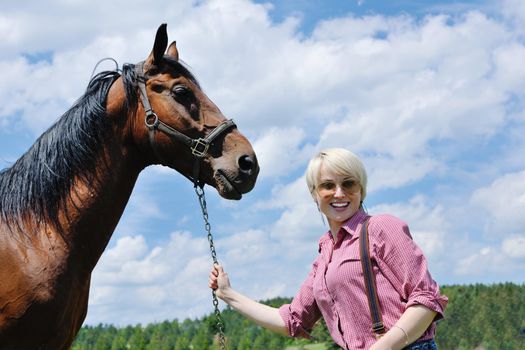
<point>246,164</point>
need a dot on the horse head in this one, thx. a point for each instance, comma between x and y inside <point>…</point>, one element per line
<point>179,126</point>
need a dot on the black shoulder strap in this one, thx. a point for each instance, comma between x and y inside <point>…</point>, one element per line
<point>370,283</point>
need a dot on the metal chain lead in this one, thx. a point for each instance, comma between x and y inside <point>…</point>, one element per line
<point>219,323</point>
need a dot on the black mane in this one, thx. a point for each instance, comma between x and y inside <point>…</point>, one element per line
<point>35,186</point>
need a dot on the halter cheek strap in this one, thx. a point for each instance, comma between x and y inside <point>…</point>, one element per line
<point>198,147</point>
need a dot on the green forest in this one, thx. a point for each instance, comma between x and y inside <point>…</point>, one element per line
<point>477,317</point>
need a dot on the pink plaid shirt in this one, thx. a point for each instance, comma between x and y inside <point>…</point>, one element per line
<point>335,290</point>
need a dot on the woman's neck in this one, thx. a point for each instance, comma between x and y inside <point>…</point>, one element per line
<point>334,229</point>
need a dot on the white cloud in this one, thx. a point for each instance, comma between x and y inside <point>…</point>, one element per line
<point>54,86</point>
<point>504,260</point>
<point>247,246</point>
<point>479,262</point>
<point>510,74</point>
<point>127,248</point>
<point>141,211</point>
<point>514,247</point>
<point>455,250</point>
<point>279,151</point>
<point>300,221</point>
<point>514,11</point>
<point>170,280</point>
<point>425,83</point>
<point>428,225</point>
<point>61,25</point>
<point>132,277</point>
<point>503,201</point>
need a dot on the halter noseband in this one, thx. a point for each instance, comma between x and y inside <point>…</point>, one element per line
<point>199,147</point>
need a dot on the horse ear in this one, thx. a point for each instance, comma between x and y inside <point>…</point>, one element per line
<point>173,52</point>
<point>159,47</point>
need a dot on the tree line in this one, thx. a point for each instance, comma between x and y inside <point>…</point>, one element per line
<point>477,317</point>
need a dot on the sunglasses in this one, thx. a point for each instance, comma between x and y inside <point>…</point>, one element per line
<point>329,187</point>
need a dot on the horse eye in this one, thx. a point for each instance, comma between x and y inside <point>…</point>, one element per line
<point>180,90</point>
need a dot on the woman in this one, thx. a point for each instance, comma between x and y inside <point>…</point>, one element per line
<point>409,298</point>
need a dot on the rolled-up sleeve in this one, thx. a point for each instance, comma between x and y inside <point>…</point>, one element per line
<point>404,264</point>
<point>301,314</point>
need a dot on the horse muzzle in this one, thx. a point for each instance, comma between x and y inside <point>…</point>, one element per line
<point>232,183</point>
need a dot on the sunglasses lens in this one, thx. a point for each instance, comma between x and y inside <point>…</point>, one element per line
<point>329,187</point>
<point>348,185</point>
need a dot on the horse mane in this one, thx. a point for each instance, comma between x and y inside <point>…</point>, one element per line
<point>35,185</point>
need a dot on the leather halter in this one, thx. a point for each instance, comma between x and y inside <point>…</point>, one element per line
<point>199,146</point>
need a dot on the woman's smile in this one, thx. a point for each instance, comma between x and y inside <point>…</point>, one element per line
<point>340,205</point>
<point>338,197</point>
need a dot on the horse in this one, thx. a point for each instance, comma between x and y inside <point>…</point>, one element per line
<point>61,200</point>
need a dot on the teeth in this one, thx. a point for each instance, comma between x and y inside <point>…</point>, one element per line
<point>340,205</point>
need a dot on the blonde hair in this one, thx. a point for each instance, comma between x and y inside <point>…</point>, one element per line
<point>339,160</point>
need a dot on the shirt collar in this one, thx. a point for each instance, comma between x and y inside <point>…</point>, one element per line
<point>350,226</point>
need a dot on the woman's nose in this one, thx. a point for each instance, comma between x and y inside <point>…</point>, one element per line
<point>339,191</point>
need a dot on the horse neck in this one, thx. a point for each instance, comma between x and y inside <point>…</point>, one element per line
<point>95,208</point>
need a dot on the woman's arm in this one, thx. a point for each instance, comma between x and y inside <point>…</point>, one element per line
<point>403,263</point>
<point>263,315</point>
<point>410,326</point>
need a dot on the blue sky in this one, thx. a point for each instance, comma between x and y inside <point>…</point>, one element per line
<point>429,93</point>
<point>313,11</point>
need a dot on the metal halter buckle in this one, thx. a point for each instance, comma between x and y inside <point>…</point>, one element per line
<point>200,148</point>
<point>152,120</point>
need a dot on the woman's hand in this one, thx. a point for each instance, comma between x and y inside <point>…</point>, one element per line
<point>219,281</point>
<point>264,315</point>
